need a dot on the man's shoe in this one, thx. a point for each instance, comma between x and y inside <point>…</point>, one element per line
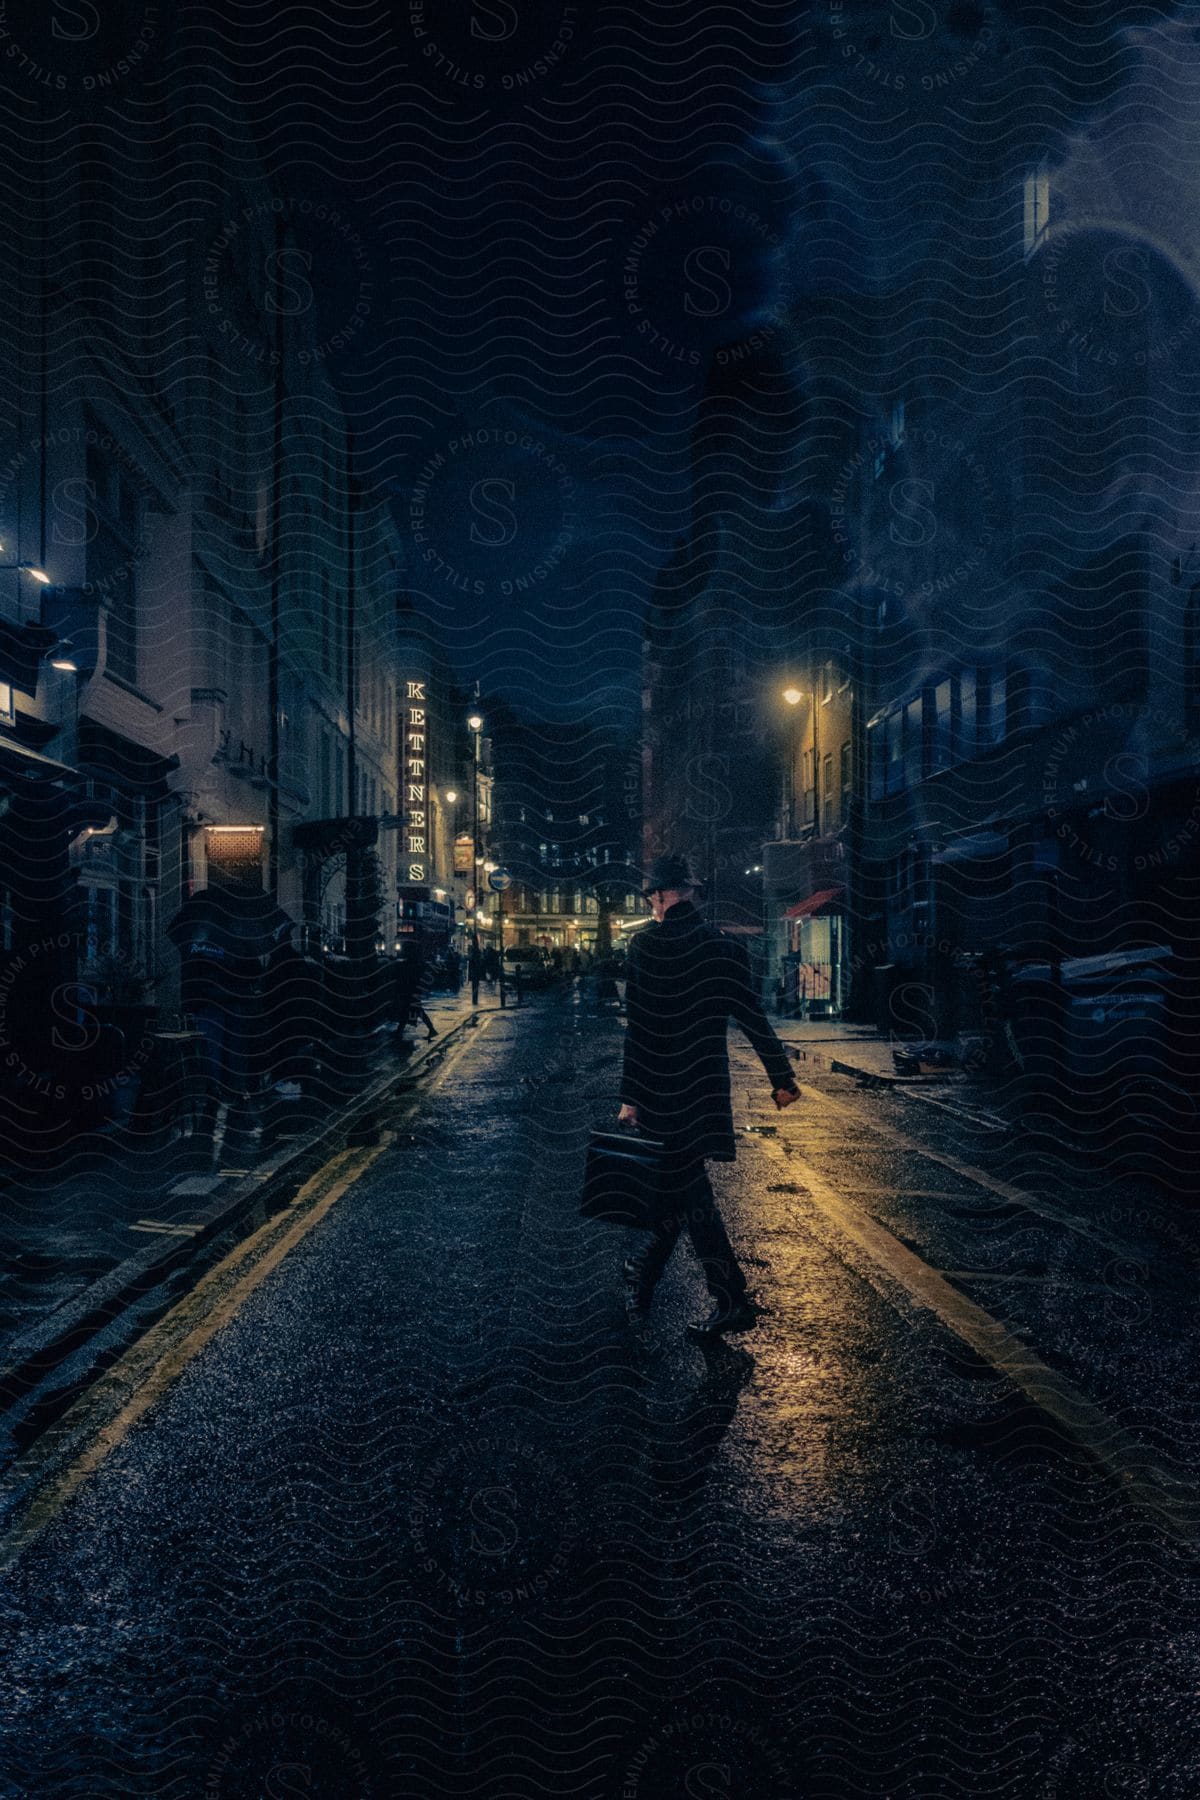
<point>727,1315</point>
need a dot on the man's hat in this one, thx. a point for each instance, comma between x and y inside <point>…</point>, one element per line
<point>668,871</point>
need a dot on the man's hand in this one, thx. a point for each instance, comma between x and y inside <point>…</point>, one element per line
<point>784,1097</point>
<point>628,1115</point>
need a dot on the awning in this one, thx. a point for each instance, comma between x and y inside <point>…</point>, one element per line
<point>245,921</point>
<point>20,758</point>
<point>824,900</point>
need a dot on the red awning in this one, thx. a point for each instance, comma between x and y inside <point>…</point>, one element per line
<point>824,900</point>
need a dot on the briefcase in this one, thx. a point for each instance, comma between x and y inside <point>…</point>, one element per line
<point>621,1181</point>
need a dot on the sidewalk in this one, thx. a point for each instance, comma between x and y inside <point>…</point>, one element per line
<point>66,1230</point>
<point>858,1050</point>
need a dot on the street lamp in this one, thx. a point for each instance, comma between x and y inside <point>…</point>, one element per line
<point>793,696</point>
<point>26,568</point>
<point>475,726</point>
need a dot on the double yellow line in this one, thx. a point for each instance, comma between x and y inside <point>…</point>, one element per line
<point>40,1484</point>
<point>1129,1465</point>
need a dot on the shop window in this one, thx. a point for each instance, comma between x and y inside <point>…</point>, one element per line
<point>234,855</point>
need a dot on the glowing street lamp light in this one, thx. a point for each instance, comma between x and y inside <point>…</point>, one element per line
<point>793,696</point>
<point>26,568</point>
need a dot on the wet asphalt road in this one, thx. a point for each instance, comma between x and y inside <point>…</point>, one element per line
<point>427,1518</point>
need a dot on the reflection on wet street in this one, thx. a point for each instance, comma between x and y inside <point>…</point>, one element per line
<point>429,1514</point>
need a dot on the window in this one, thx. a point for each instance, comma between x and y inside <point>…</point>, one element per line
<point>808,786</point>
<point>943,725</point>
<point>827,814</point>
<point>234,856</point>
<point>914,742</point>
<point>846,781</point>
<point>992,707</point>
<point>1191,661</point>
<point>1037,208</point>
<point>894,775</point>
<point>114,524</point>
<point>966,713</point>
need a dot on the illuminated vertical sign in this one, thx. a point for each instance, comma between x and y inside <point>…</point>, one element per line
<point>418,847</point>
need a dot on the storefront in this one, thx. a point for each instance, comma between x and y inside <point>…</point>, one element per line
<point>812,972</point>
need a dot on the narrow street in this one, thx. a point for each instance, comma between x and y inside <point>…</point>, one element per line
<point>414,1510</point>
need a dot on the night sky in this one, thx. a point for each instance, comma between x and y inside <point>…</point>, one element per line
<point>563,214</point>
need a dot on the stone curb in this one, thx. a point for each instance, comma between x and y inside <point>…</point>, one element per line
<point>45,1347</point>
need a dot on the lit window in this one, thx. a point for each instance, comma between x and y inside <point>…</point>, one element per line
<point>1037,208</point>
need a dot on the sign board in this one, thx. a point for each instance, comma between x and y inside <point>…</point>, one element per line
<point>416,864</point>
<point>464,853</point>
<point>471,900</point>
<point>499,881</point>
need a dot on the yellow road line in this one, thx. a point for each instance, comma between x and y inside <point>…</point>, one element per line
<point>1033,1203</point>
<point>107,1411</point>
<point>1129,1464</point>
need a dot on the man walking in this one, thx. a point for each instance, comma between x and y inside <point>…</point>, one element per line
<point>686,982</point>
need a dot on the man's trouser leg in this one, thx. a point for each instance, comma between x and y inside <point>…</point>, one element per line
<point>710,1240</point>
<point>688,1203</point>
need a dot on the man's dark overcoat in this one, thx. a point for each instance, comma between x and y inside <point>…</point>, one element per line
<point>686,983</point>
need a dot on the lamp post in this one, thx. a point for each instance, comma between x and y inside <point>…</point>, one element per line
<point>451,798</point>
<point>475,727</point>
<point>497,924</point>
<point>793,696</point>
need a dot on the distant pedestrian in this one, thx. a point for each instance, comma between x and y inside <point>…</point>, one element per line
<point>453,970</point>
<point>411,988</point>
<point>491,963</point>
<point>686,983</point>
